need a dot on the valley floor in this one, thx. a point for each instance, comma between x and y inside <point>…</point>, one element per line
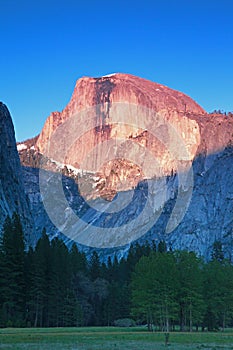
<point>109,338</point>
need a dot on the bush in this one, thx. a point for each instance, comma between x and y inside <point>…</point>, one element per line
<point>9,324</point>
<point>124,322</point>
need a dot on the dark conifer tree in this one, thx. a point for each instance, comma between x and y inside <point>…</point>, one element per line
<point>41,282</point>
<point>59,283</point>
<point>162,247</point>
<point>29,276</point>
<point>78,260</point>
<point>12,272</point>
<point>94,268</point>
<point>217,252</point>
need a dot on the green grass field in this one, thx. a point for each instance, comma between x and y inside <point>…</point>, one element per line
<point>109,338</point>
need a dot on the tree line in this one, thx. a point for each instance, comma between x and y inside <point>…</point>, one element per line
<point>53,286</point>
<point>220,111</point>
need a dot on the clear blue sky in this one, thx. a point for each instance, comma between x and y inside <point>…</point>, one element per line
<point>47,45</point>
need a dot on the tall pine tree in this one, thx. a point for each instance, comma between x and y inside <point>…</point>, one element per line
<point>12,272</point>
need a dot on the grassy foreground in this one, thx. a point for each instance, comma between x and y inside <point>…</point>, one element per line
<point>109,338</point>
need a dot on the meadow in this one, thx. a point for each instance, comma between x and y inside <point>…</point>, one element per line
<point>109,338</point>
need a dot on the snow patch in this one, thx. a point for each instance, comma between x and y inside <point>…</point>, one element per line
<point>96,178</point>
<point>109,75</point>
<point>21,147</point>
<point>78,171</point>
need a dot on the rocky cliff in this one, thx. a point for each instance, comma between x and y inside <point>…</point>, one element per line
<point>127,115</point>
<point>102,93</point>
<point>148,162</point>
<point>208,216</point>
<point>12,193</point>
<point>123,129</point>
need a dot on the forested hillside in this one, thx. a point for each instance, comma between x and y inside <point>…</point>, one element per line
<point>53,286</point>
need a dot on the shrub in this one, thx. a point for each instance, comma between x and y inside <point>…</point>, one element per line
<point>124,322</point>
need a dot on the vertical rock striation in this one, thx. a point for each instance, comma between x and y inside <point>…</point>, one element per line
<point>12,194</point>
<point>208,139</point>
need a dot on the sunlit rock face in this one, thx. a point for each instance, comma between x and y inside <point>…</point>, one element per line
<point>216,134</point>
<point>119,131</point>
<point>12,194</point>
<point>147,129</point>
<point>105,91</point>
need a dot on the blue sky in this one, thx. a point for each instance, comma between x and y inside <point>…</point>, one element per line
<point>47,45</point>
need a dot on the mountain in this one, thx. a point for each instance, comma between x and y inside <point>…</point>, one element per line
<point>109,122</point>
<point>119,112</point>
<point>139,161</point>
<point>12,192</point>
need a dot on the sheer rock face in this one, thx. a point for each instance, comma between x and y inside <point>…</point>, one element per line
<point>208,139</point>
<point>12,195</point>
<point>105,91</point>
<point>200,132</point>
<point>123,107</point>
